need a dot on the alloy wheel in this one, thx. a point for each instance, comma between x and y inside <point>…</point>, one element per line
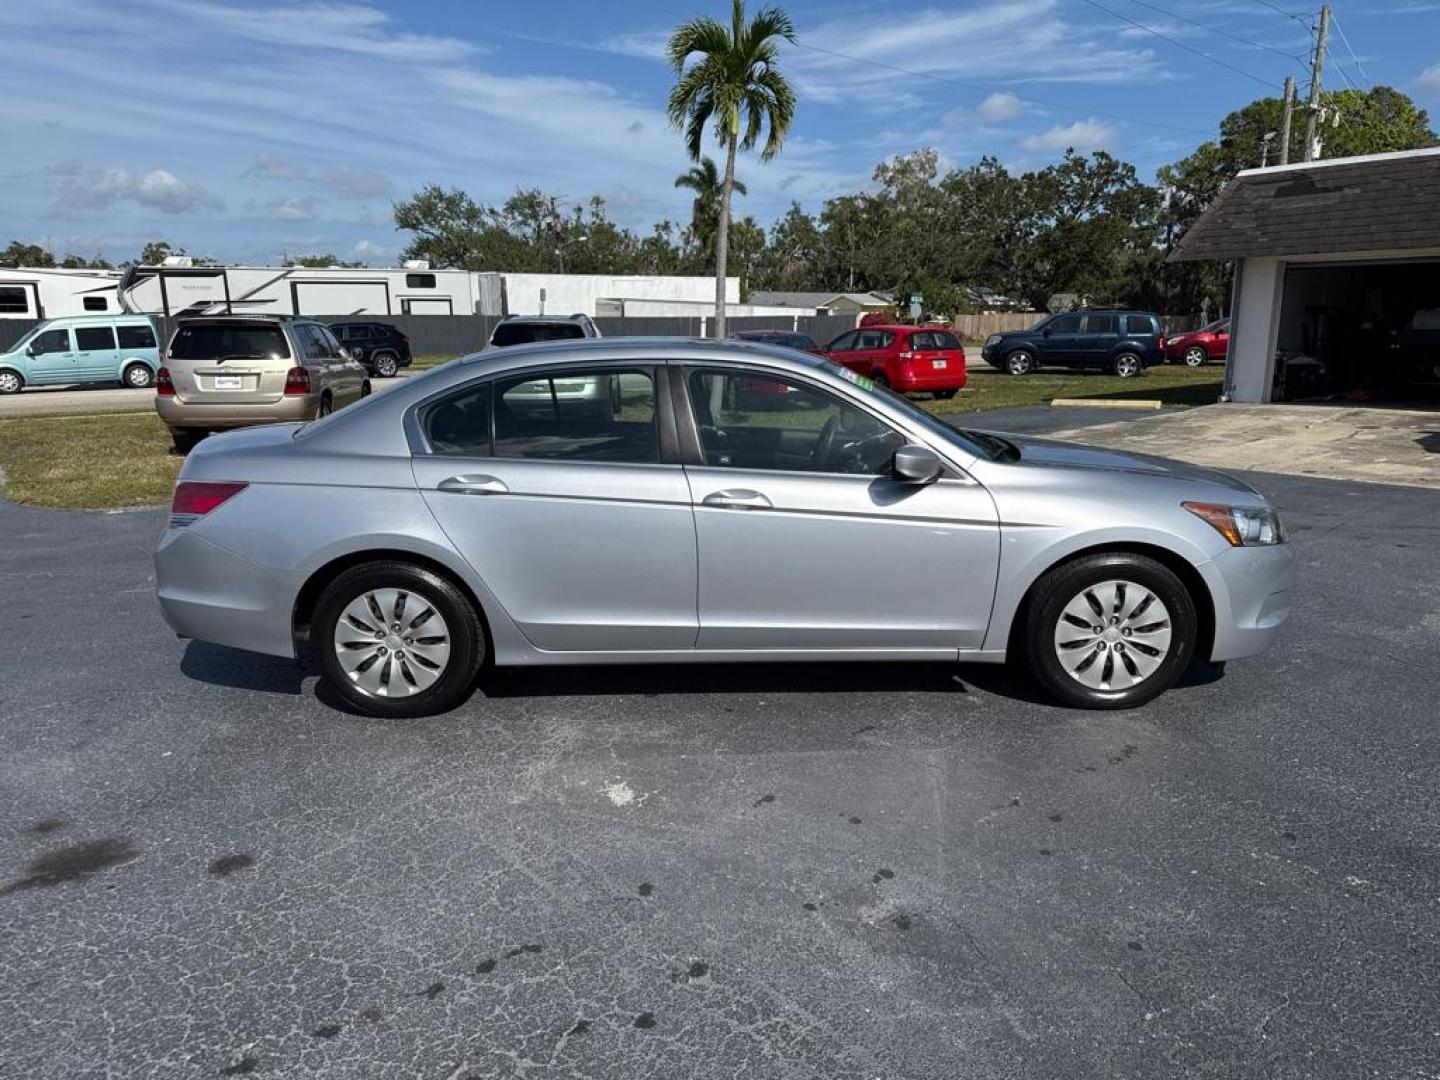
<point>1113,635</point>
<point>1019,363</point>
<point>392,642</point>
<point>137,376</point>
<point>1194,356</point>
<point>9,382</point>
<point>385,367</point>
<point>1127,365</point>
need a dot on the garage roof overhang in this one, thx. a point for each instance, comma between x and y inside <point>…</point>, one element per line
<point>1382,202</point>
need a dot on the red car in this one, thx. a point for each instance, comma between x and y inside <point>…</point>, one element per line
<point>1200,346</point>
<point>908,359</point>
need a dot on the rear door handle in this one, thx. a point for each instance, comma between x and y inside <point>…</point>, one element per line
<point>737,499</point>
<point>474,484</point>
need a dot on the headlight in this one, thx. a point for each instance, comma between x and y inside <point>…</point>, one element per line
<point>1243,526</point>
<point>993,339</point>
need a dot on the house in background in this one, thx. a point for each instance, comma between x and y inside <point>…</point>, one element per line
<point>824,303</point>
<point>1337,278</point>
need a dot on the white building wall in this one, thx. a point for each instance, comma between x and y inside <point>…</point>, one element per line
<point>572,294</point>
<point>1254,323</point>
<point>700,308</point>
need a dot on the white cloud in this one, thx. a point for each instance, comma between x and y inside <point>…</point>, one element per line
<point>157,189</point>
<point>1430,79</point>
<point>273,167</point>
<point>303,208</point>
<point>349,184</point>
<point>647,46</point>
<point>1000,106</point>
<point>1082,135</point>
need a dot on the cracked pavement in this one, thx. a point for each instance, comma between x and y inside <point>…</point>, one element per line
<point>759,871</point>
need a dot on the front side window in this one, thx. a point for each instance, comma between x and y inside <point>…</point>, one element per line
<point>51,341</point>
<point>357,333</point>
<point>1064,324</point>
<point>767,421</point>
<point>577,415</point>
<point>94,338</point>
<point>230,341</point>
<point>136,337</point>
<point>844,342</point>
<point>460,423</point>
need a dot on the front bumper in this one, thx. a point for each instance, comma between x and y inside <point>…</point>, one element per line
<point>201,413</point>
<point>212,594</point>
<point>1251,588</point>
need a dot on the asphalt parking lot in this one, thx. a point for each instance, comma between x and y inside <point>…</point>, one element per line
<point>802,871</point>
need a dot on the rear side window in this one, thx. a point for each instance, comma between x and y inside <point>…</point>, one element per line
<point>218,341</point>
<point>136,337</point>
<point>934,339</point>
<point>92,338</point>
<point>521,333</point>
<point>14,300</point>
<point>572,415</point>
<point>1102,324</point>
<point>1139,324</point>
<point>94,303</point>
<point>460,423</point>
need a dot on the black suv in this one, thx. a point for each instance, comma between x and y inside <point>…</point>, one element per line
<point>1123,343</point>
<point>381,348</point>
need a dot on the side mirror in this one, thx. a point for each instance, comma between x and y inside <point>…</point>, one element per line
<point>30,350</point>
<point>1046,332</point>
<point>916,464</point>
<point>345,353</point>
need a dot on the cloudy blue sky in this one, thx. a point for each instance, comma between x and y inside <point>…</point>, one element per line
<point>245,130</point>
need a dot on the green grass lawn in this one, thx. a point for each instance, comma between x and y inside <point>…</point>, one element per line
<point>125,459</point>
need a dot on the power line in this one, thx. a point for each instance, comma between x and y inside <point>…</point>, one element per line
<point>1221,33</point>
<point>1181,45</point>
<point>1288,14</point>
<point>1353,58</point>
<point>978,87</point>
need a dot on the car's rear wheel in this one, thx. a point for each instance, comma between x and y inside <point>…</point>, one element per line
<point>1110,631</point>
<point>11,382</point>
<point>386,365</point>
<point>1127,365</point>
<point>396,640</point>
<point>944,395</point>
<point>186,439</point>
<point>880,379</point>
<point>1195,356</point>
<point>1020,362</point>
<point>325,408</point>
<point>137,376</point>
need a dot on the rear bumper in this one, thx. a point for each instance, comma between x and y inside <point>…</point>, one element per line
<point>1252,590</point>
<point>212,594</point>
<point>919,380</point>
<point>201,413</point>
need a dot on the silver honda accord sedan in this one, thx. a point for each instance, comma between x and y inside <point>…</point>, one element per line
<point>655,500</point>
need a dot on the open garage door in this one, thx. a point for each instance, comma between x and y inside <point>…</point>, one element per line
<point>1360,332</point>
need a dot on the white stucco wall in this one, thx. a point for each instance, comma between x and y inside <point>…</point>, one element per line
<point>569,294</point>
<point>700,308</point>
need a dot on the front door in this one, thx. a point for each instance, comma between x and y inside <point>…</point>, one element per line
<point>807,541</point>
<point>565,508</point>
<point>1060,340</point>
<point>95,353</point>
<point>50,358</point>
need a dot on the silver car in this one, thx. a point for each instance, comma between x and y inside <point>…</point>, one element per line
<point>464,518</point>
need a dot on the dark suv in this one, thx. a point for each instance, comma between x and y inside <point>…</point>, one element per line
<point>1123,343</point>
<point>381,348</point>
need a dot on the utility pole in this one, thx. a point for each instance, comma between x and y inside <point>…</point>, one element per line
<point>1285,119</point>
<point>1317,68</point>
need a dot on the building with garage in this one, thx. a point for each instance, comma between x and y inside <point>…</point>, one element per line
<point>1337,278</point>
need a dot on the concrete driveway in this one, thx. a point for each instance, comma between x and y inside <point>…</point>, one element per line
<point>1388,446</point>
<point>762,871</point>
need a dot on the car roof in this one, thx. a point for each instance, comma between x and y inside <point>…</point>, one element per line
<point>118,316</point>
<point>590,350</point>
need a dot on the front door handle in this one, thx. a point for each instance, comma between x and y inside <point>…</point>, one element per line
<point>737,499</point>
<point>474,484</point>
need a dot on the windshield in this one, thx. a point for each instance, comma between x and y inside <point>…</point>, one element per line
<point>225,341</point>
<point>520,333</point>
<point>974,443</point>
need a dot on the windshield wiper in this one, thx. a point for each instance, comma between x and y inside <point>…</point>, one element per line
<point>998,448</point>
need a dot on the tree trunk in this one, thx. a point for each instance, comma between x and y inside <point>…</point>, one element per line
<point>722,235</point>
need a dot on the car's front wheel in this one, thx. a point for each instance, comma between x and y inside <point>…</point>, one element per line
<point>1110,631</point>
<point>396,640</point>
<point>1020,362</point>
<point>1195,356</point>
<point>11,382</point>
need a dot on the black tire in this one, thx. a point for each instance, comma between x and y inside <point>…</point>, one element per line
<point>1127,365</point>
<point>1020,362</point>
<point>465,631</point>
<point>365,389</point>
<point>325,408</point>
<point>879,379</point>
<point>137,377</point>
<point>186,439</point>
<point>11,382</point>
<point>1046,606</point>
<point>945,395</point>
<point>1195,356</point>
<point>386,364</point>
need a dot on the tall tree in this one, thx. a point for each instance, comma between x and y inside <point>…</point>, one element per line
<point>737,84</point>
<point>709,186</point>
<point>22,254</point>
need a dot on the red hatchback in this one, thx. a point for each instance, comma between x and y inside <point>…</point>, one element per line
<point>908,359</point>
<point>1195,348</point>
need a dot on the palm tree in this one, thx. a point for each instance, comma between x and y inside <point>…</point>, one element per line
<point>736,83</point>
<point>704,179</point>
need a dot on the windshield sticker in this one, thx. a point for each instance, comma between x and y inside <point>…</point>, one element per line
<point>850,376</point>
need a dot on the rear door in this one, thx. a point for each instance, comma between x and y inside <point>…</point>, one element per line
<point>1098,339</point>
<point>572,507</point>
<point>230,362</point>
<point>95,353</point>
<point>51,358</point>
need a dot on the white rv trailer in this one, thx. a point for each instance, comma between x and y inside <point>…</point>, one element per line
<point>48,292</point>
<point>178,289</point>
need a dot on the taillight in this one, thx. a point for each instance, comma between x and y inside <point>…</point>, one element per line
<point>164,385</point>
<point>196,498</point>
<point>404,340</point>
<point>297,381</point>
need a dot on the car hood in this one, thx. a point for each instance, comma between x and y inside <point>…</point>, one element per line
<point>1045,453</point>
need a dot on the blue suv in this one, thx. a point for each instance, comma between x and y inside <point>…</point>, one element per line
<point>1122,343</point>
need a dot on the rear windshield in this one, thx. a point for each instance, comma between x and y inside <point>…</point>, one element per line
<point>934,339</point>
<point>520,333</point>
<point>222,341</point>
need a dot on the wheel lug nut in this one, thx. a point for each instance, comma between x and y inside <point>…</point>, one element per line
<point>379,635</point>
<point>1126,632</point>
<point>1114,620</point>
<point>1103,646</point>
<point>383,650</point>
<point>395,627</point>
<point>1099,629</point>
